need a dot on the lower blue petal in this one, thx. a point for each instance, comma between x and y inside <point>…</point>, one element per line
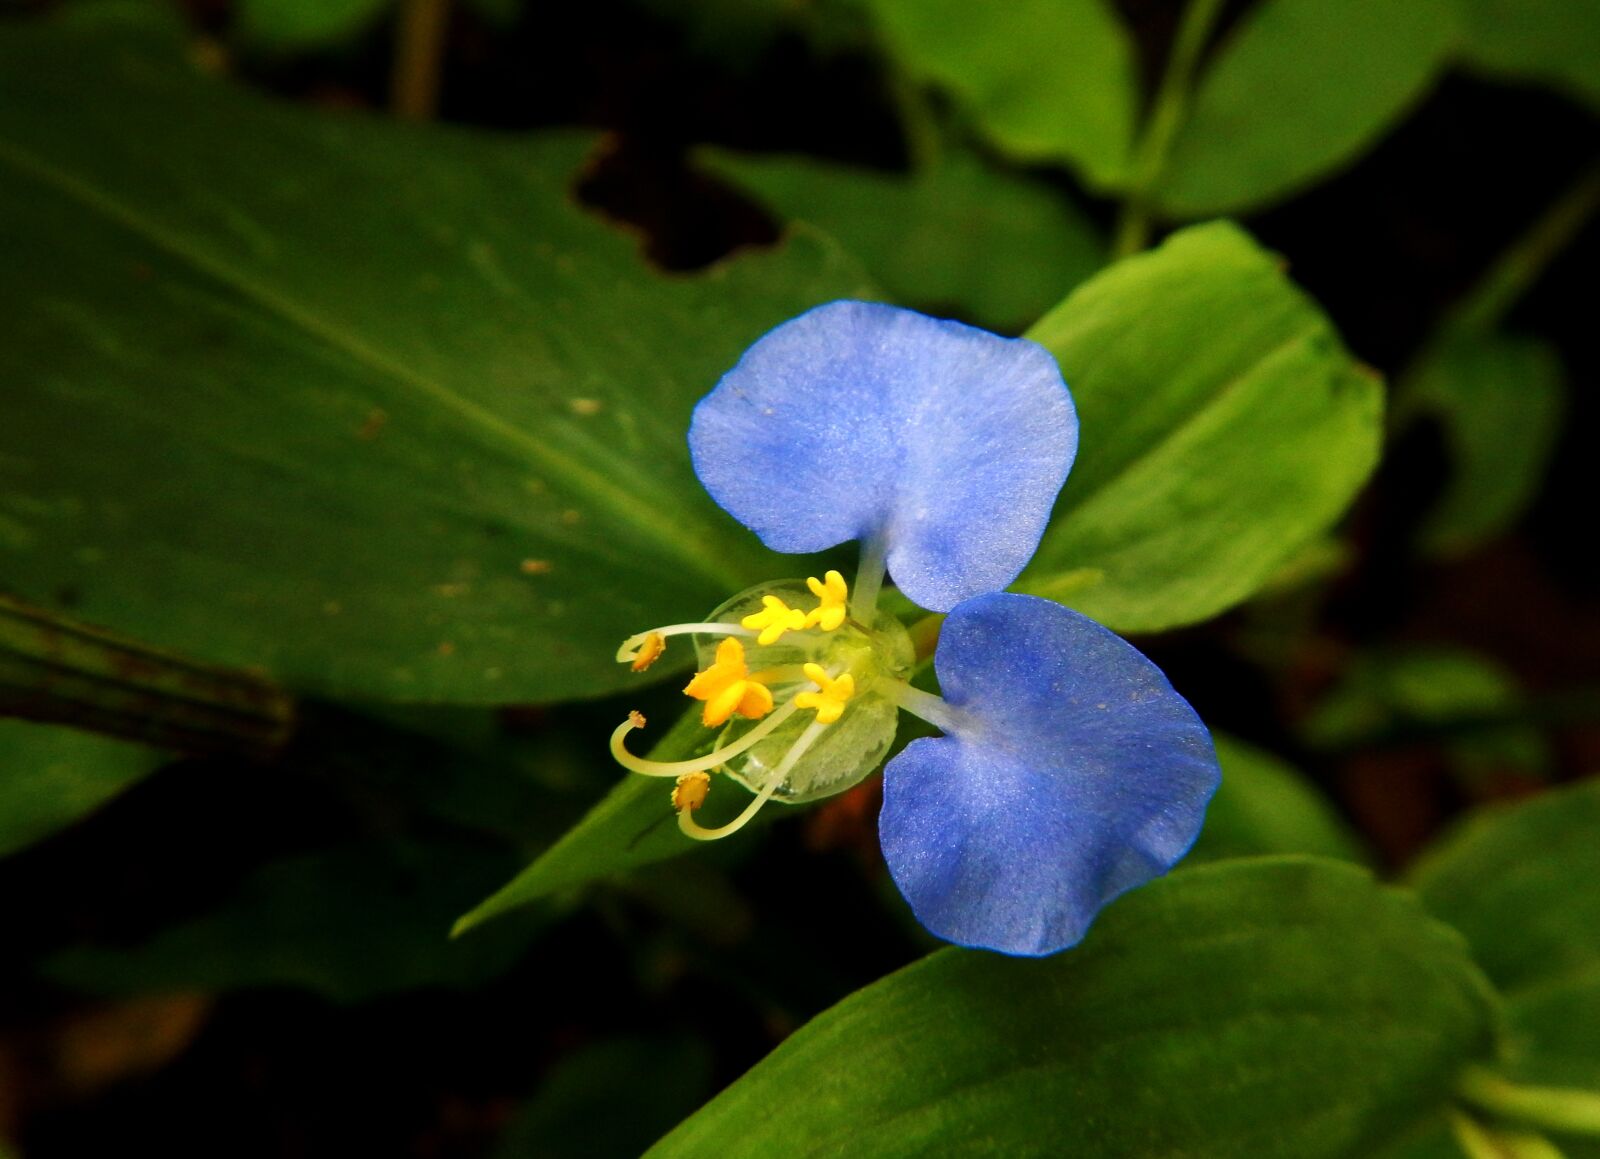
<point>1072,773</point>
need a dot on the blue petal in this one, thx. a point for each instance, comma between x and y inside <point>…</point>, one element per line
<point>1073,772</point>
<point>857,420</point>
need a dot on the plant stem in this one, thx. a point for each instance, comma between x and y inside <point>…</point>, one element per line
<point>1519,267</point>
<point>1562,1109</point>
<point>1480,1142</point>
<point>1166,116</point>
<point>418,59</point>
<point>59,671</point>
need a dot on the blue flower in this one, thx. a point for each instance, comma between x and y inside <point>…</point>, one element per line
<point>1069,770</point>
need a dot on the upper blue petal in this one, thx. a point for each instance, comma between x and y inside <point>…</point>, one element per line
<point>858,419</point>
<point>1074,773</point>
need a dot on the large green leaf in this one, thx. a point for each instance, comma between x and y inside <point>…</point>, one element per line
<point>1523,884</point>
<point>1500,399</point>
<point>352,923</point>
<point>1271,1007</point>
<point>1553,41</point>
<point>1224,428</point>
<point>1047,80</point>
<point>1264,806</point>
<point>374,407</point>
<point>1301,86</point>
<point>50,776</point>
<point>996,248</point>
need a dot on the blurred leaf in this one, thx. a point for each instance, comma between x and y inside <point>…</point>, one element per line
<point>1264,806</point>
<point>1392,698</point>
<point>1264,1007</point>
<point>631,827</point>
<point>350,923</point>
<point>375,407</point>
<point>1299,88</point>
<point>1047,80</point>
<point>996,248</point>
<point>50,776</point>
<point>1555,1033</point>
<point>290,25</point>
<point>1553,41</point>
<point>612,1098</point>
<point>1500,399</point>
<point>1225,428</point>
<point>1522,882</point>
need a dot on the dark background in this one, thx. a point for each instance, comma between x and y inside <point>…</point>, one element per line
<point>662,1010</point>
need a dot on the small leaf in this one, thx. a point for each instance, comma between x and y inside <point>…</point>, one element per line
<point>1264,806</point>
<point>298,25</point>
<point>351,923</point>
<point>1552,41</point>
<point>1262,1007</point>
<point>1447,695</point>
<point>996,248</point>
<point>374,407</point>
<point>1520,882</point>
<point>1046,80</point>
<point>1299,88</point>
<point>1500,399</point>
<point>1224,428</point>
<point>50,776</point>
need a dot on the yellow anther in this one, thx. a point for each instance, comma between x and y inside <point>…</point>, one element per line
<point>831,695</point>
<point>690,791</point>
<point>727,687</point>
<point>649,651</point>
<point>773,620</point>
<point>833,593</point>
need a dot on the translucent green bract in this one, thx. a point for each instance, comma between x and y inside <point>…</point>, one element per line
<point>854,745</point>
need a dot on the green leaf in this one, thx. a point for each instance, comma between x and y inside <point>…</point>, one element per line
<point>50,776</point>
<point>1264,806</point>
<point>1300,88</point>
<point>1263,1007</point>
<point>632,826</point>
<point>1553,1033</point>
<point>1046,80</point>
<point>1552,41</point>
<point>961,236</point>
<point>351,923</point>
<point>1520,882</point>
<point>1224,428</point>
<point>376,408</point>
<point>290,25</point>
<point>1500,400</point>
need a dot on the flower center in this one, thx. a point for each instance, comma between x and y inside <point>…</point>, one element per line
<point>805,697</point>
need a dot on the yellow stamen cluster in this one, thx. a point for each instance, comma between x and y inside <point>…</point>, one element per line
<point>773,620</point>
<point>832,592</point>
<point>727,687</point>
<point>831,696</point>
<point>691,791</point>
<point>649,651</point>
